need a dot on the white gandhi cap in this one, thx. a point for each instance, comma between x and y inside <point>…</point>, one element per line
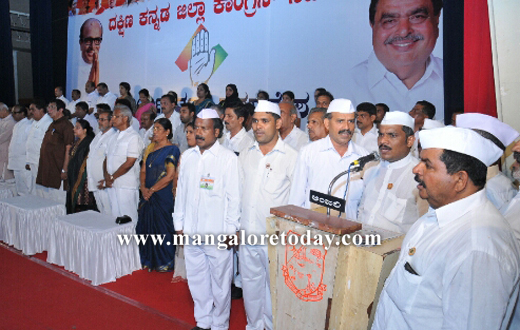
<point>505,133</point>
<point>431,124</point>
<point>341,106</point>
<point>462,140</point>
<point>398,118</point>
<point>267,106</point>
<point>207,114</point>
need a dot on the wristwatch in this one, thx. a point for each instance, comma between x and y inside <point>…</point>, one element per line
<point>112,177</point>
<point>63,171</point>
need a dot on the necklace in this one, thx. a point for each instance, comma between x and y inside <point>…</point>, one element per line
<point>153,160</point>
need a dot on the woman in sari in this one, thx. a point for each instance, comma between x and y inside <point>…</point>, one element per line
<point>78,197</point>
<point>156,206</point>
<point>231,99</point>
<point>205,100</point>
<point>124,90</point>
<point>145,105</point>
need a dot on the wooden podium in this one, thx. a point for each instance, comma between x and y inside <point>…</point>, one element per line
<point>315,288</point>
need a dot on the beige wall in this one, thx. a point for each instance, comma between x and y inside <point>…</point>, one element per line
<point>505,34</point>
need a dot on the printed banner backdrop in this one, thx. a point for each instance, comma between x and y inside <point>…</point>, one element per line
<point>273,45</point>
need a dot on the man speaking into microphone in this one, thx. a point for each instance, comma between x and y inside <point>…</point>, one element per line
<point>391,199</point>
<point>320,161</point>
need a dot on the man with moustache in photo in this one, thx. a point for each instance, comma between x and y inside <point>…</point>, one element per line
<point>319,162</point>
<point>401,69</point>
<point>391,200</point>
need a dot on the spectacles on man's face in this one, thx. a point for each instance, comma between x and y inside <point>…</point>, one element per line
<point>103,119</point>
<point>392,21</point>
<point>89,41</point>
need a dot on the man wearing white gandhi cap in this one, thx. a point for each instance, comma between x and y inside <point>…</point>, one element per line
<point>208,202</point>
<point>266,170</point>
<point>391,200</point>
<point>499,188</point>
<point>459,263</point>
<point>320,161</point>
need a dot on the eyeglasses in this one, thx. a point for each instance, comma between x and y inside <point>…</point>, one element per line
<point>89,41</point>
<point>391,22</point>
<point>103,119</point>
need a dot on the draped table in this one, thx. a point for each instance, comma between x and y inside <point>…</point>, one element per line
<point>87,244</point>
<point>7,189</point>
<point>25,222</point>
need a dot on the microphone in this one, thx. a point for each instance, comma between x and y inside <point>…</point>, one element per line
<point>361,162</point>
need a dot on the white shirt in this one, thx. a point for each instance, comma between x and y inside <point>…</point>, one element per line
<point>64,99</point>
<point>511,212</point>
<point>391,200</point>
<point>175,119</point>
<point>179,139</point>
<point>91,100</point>
<point>367,141</point>
<point>266,181</point>
<point>109,98</point>
<point>296,138</point>
<point>370,81</point>
<point>123,145</point>
<point>216,208</point>
<point>72,105</point>
<point>467,259</point>
<point>35,138</point>
<point>17,150</point>
<point>96,156</point>
<point>499,188</point>
<point>146,135</point>
<point>92,120</point>
<point>318,163</point>
<point>239,142</point>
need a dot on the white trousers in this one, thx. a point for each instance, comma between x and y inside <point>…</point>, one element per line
<point>254,268</point>
<point>123,202</point>
<point>57,195</point>
<point>103,201</point>
<point>32,178</point>
<point>209,272</point>
<point>22,179</point>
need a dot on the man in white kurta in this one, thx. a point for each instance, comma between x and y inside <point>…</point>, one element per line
<point>366,134</point>
<point>95,159</point>
<point>320,161</point>
<point>289,133</point>
<point>6,132</point>
<point>391,200</point>
<point>17,151</point>
<point>208,202</point>
<point>236,137</point>
<point>41,123</point>
<point>459,263</point>
<point>266,170</point>
<point>105,96</point>
<point>168,105</point>
<point>91,95</point>
<point>499,188</point>
<point>122,165</point>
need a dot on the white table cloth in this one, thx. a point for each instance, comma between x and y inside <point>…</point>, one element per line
<point>7,190</point>
<point>86,243</point>
<point>25,222</point>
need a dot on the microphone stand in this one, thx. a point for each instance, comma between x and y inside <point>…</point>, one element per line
<point>336,178</point>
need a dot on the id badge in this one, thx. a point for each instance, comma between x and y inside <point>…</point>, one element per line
<point>207,182</point>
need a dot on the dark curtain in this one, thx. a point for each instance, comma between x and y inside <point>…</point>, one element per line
<point>7,89</point>
<point>479,91</point>
<point>49,46</point>
<point>41,48</point>
<point>453,48</point>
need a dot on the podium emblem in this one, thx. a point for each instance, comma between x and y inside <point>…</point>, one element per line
<point>303,270</point>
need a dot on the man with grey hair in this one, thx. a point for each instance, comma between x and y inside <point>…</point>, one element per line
<point>316,124</point>
<point>289,133</point>
<point>121,165</point>
<point>17,151</point>
<point>6,132</point>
